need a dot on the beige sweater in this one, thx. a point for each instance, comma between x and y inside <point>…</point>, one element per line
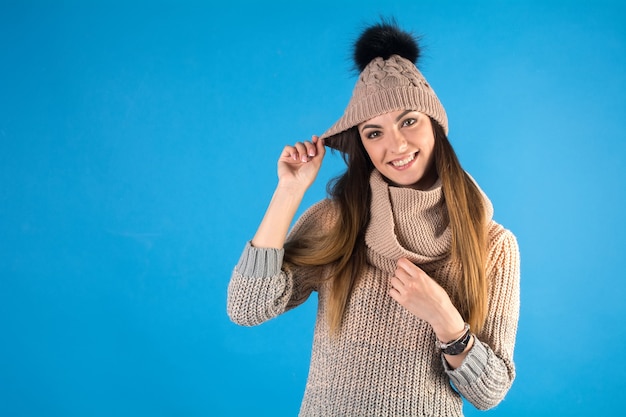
<point>384,361</point>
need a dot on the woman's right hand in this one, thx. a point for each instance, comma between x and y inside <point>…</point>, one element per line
<point>299,164</point>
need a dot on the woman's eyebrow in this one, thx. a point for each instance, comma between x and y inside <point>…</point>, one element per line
<point>369,126</point>
<point>404,113</point>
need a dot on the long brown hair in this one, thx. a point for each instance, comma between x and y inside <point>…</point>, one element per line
<point>344,245</point>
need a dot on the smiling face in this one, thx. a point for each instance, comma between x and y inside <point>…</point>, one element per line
<point>400,144</point>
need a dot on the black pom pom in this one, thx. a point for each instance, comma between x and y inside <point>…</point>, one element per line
<point>383,40</point>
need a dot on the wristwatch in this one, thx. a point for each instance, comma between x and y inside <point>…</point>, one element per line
<point>458,346</point>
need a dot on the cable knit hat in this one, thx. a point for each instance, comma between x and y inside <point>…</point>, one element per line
<point>389,81</point>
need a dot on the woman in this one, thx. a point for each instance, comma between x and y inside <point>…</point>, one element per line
<point>418,288</point>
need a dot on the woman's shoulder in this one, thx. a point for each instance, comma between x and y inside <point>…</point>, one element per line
<point>496,233</point>
<point>502,244</point>
<point>324,210</point>
<point>319,217</point>
<point>322,207</point>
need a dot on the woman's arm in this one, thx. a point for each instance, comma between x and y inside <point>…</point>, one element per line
<point>484,371</point>
<point>487,372</point>
<point>259,289</point>
<point>298,166</point>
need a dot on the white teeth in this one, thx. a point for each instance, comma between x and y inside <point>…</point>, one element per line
<point>403,162</point>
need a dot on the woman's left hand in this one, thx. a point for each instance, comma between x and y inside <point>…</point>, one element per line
<point>412,288</point>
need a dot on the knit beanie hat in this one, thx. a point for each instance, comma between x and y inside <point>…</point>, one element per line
<point>388,81</point>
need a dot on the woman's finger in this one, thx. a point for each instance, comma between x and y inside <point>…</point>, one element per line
<point>303,150</point>
<point>396,283</point>
<point>311,149</point>
<point>290,152</point>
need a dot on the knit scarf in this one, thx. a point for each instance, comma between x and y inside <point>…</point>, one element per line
<point>408,223</point>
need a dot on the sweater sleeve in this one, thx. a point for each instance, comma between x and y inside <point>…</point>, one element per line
<point>262,286</point>
<point>258,288</point>
<point>488,371</point>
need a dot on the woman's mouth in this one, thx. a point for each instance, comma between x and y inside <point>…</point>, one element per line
<point>404,162</point>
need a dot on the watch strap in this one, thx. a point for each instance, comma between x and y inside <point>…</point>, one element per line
<point>457,346</point>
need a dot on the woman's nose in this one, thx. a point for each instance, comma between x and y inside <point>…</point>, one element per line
<point>398,142</point>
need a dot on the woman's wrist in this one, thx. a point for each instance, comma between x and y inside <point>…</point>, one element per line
<point>450,325</point>
<point>451,333</point>
<point>275,224</point>
<point>456,346</point>
<point>292,189</point>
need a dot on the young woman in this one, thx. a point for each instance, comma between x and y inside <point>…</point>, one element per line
<point>418,288</point>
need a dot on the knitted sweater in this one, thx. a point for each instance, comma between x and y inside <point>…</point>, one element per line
<point>384,361</point>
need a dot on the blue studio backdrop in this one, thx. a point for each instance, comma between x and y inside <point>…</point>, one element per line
<point>138,147</point>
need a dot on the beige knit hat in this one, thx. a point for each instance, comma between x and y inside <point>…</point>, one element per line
<point>387,84</point>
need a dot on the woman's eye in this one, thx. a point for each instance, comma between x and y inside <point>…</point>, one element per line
<point>409,122</point>
<point>373,135</point>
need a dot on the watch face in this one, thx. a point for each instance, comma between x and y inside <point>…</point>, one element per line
<point>455,349</point>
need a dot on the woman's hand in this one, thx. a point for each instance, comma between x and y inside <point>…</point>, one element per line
<point>299,164</point>
<point>412,288</point>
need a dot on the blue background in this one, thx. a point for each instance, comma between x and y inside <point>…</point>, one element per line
<point>138,143</point>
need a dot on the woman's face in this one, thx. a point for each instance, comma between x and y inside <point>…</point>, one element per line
<point>400,145</point>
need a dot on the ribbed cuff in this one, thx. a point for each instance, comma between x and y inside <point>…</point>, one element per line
<point>260,262</point>
<point>473,365</point>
